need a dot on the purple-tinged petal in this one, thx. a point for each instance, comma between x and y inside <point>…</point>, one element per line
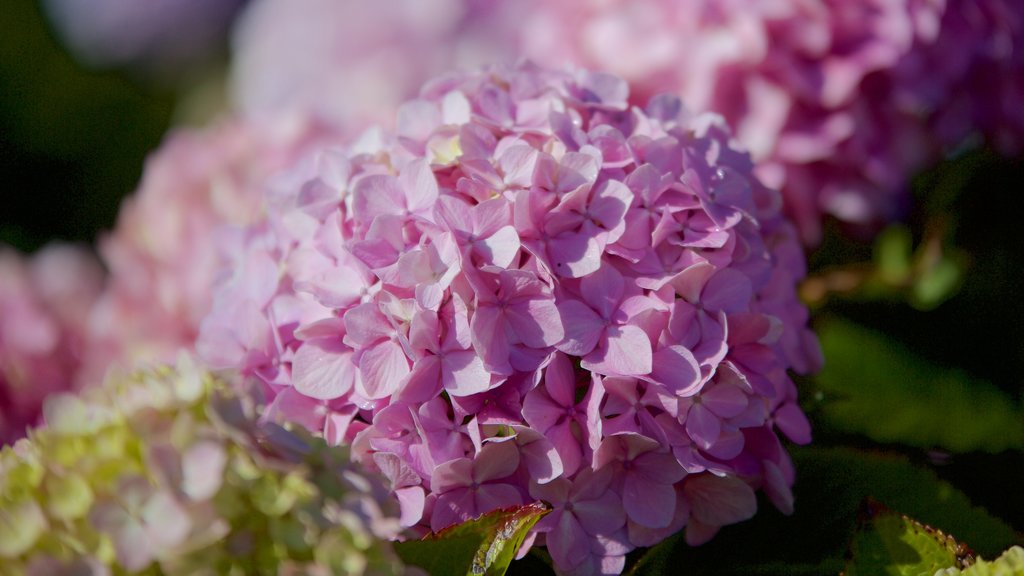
<point>702,426</point>
<point>675,368</point>
<point>463,373</point>
<point>626,352</point>
<point>719,501</point>
<point>323,369</point>
<point>496,460</point>
<point>382,369</point>
<point>583,328</point>
<point>648,503</point>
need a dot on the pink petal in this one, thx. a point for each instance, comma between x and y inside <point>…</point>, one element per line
<point>777,488</point>
<point>494,496</point>
<point>660,467</point>
<point>567,542</point>
<point>626,352</point>
<point>364,325</point>
<point>463,374</point>
<point>648,503</point>
<point>793,423</point>
<point>609,207</point>
<point>537,322</point>
<point>452,474</point>
<point>583,328</point>
<point>490,216</point>
<point>420,185</point>
<point>452,507</point>
<point>675,368</point>
<point>424,381</point>
<point>382,368</point>
<point>690,282</point>
<point>374,195</point>
<point>719,501</point>
<point>410,501</point>
<point>560,380</point>
<point>323,370</point>
<point>702,426</point>
<point>495,460</point>
<point>489,339</point>
<point>538,454</point>
<point>574,255</point>
<point>603,290</point>
<point>501,248</point>
<point>728,290</point>
<point>725,400</point>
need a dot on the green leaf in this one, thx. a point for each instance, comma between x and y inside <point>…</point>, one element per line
<point>937,284</point>
<point>1011,563</point>
<point>882,390</point>
<point>891,544</point>
<point>831,485</point>
<point>893,249</point>
<point>484,546</point>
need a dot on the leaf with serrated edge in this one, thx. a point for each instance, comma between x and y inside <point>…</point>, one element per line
<point>481,547</point>
<point>890,544</point>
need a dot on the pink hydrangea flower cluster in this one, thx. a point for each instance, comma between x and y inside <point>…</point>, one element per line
<point>532,291</point>
<point>840,102</point>
<point>44,306</point>
<point>169,243</point>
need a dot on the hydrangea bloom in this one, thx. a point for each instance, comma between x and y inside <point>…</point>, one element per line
<point>165,473</point>
<point>840,102</point>
<point>154,34</point>
<point>167,247</point>
<point>44,305</point>
<point>533,291</point>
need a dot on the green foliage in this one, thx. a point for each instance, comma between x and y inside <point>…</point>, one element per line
<point>831,486</point>
<point>890,544</point>
<point>876,387</point>
<point>484,546</point>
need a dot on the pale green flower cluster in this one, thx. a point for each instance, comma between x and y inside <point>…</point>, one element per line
<point>166,472</point>
<point>1011,563</point>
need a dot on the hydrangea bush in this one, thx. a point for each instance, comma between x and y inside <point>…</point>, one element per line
<point>45,301</point>
<point>165,472</point>
<point>534,291</point>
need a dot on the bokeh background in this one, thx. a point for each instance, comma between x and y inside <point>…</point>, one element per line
<point>922,325</point>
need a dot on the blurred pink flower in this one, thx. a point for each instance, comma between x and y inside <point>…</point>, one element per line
<point>167,249</point>
<point>44,306</point>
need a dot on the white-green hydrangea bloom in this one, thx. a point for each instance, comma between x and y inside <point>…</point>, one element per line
<point>1011,563</point>
<point>166,472</point>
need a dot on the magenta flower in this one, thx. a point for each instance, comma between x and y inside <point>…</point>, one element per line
<point>532,291</point>
<point>581,510</point>
<point>467,488</point>
<point>44,314</point>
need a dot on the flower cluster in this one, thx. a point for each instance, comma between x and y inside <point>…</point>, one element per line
<point>840,103</point>
<point>164,473</point>
<point>172,234</point>
<point>44,305</point>
<point>532,291</point>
